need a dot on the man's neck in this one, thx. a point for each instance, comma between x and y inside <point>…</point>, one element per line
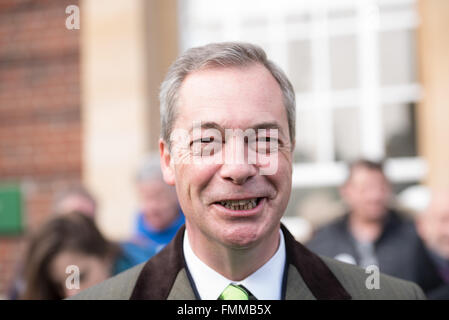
<point>234,264</point>
<point>365,230</point>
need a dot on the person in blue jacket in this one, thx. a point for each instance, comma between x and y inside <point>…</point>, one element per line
<point>159,216</point>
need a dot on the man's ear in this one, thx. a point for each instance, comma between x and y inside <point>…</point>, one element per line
<point>168,170</point>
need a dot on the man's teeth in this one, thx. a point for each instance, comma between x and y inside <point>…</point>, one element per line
<point>239,204</point>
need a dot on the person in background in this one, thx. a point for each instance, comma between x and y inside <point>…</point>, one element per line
<point>160,216</point>
<point>371,232</point>
<point>78,199</point>
<point>432,255</point>
<point>75,198</point>
<point>67,240</point>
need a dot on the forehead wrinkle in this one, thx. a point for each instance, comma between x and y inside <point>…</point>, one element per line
<point>208,125</point>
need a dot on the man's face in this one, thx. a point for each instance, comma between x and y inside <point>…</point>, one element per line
<point>231,98</point>
<point>433,226</point>
<point>367,193</point>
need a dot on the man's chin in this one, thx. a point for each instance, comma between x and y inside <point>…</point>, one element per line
<point>241,237</point>
<point>376,215</point>
<point>240,245</point>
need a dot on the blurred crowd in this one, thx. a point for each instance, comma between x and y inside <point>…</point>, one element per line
<point>71,238</point>
<point>372,231</point>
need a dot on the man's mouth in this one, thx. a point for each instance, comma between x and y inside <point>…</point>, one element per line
<point>238,205</point>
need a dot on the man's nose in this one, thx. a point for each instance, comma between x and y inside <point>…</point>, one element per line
<point>238,173</point>
<point>238,165</point>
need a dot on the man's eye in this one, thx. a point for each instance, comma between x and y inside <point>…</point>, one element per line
<point>202,140</point>
<point>205,146</point>
<point>207,139</point>
<point>265,144</point>
<point>265,141</point>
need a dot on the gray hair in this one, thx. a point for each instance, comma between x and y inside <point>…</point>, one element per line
<point>225,54</point>
<point>150,170</point>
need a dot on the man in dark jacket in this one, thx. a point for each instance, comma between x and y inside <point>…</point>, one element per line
<point>432,262</point>
<point>370,233</point>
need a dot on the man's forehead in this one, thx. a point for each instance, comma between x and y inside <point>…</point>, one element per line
<point>232,98</point>
<point>362,174</point>
<point>254,81</point>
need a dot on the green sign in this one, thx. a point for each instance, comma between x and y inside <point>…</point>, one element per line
<point>10,209</point>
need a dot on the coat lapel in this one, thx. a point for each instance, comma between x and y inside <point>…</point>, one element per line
<point>296,288</point>
<point>162,272</point>
<point>182,289</point>
<point>310,270</point>
<point>165,277</point>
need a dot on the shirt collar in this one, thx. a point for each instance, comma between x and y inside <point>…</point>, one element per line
<point>265,283</point>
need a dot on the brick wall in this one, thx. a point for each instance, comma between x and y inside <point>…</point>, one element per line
<point>40,128</point>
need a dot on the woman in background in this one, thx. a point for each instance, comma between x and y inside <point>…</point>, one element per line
<point>62,246</point>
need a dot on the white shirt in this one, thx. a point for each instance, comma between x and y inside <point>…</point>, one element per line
<point>265,283</point>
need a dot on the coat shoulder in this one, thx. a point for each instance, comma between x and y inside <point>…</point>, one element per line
<point>119,287</point>
<point>363,284</point>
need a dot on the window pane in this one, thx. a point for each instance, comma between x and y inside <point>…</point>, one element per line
<point>297,18</point>
<point>306,136</point>
<point>342,21</point>
<point>300,63</point>
<point>342,13</point>
<point>346,134</point>
<point>395,7</point>
<point>397,57</point>
<point>343,59</point>
<point>399,130</point>
<point>254,30</point>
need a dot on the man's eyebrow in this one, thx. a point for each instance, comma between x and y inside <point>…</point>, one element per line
<point>268,125</point>
<point>263,125</point>
<point>207,125</point>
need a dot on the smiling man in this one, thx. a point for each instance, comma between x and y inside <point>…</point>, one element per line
<point>228,135</point>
